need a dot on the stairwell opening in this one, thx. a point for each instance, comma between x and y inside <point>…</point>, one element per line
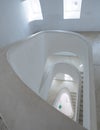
<point>63,95</point>
<point>63,71</point>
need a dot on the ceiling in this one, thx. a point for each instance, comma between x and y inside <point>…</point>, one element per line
<point>53,16</point>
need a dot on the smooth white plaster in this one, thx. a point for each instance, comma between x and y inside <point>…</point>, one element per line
<point>13,23</point>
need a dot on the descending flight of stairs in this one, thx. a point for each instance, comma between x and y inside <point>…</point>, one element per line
<point>74,102</point>
<point>76,99</point>
<point>81,101</point>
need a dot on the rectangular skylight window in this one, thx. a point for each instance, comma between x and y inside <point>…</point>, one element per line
<point>33,10</point>
<point>72,9</point>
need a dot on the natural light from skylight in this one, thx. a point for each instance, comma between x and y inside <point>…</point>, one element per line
<point>68,77</point>
<point>72,9</point>
<point>32,10</point>
<point>63,104</point>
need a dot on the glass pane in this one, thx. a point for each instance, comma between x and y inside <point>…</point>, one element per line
<point>72,9</point>
<point>32,10</point>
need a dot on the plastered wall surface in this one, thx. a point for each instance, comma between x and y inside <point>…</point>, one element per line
<point>22,109</point>
<point>94,38</point>
<point>13,22</point>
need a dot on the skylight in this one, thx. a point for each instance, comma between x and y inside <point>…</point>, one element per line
<point>33,10</point>
<point>72,9</point>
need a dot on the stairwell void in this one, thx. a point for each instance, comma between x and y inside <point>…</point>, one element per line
<point>57,66</point>
<point>65,91</point>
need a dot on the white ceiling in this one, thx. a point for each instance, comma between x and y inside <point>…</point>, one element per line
<point>53,16</point>
<point>90,8</point>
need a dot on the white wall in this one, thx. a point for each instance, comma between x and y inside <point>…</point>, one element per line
<point>94,38</point>
<point>53,17</point>
<point>13,24</point>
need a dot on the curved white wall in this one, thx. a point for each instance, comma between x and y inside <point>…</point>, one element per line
<point>28,59</point>
<point>49,75</point>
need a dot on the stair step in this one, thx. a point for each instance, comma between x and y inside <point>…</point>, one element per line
<point>81,100</point>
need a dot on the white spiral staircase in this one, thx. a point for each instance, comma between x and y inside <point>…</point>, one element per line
<point>37,69</point>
